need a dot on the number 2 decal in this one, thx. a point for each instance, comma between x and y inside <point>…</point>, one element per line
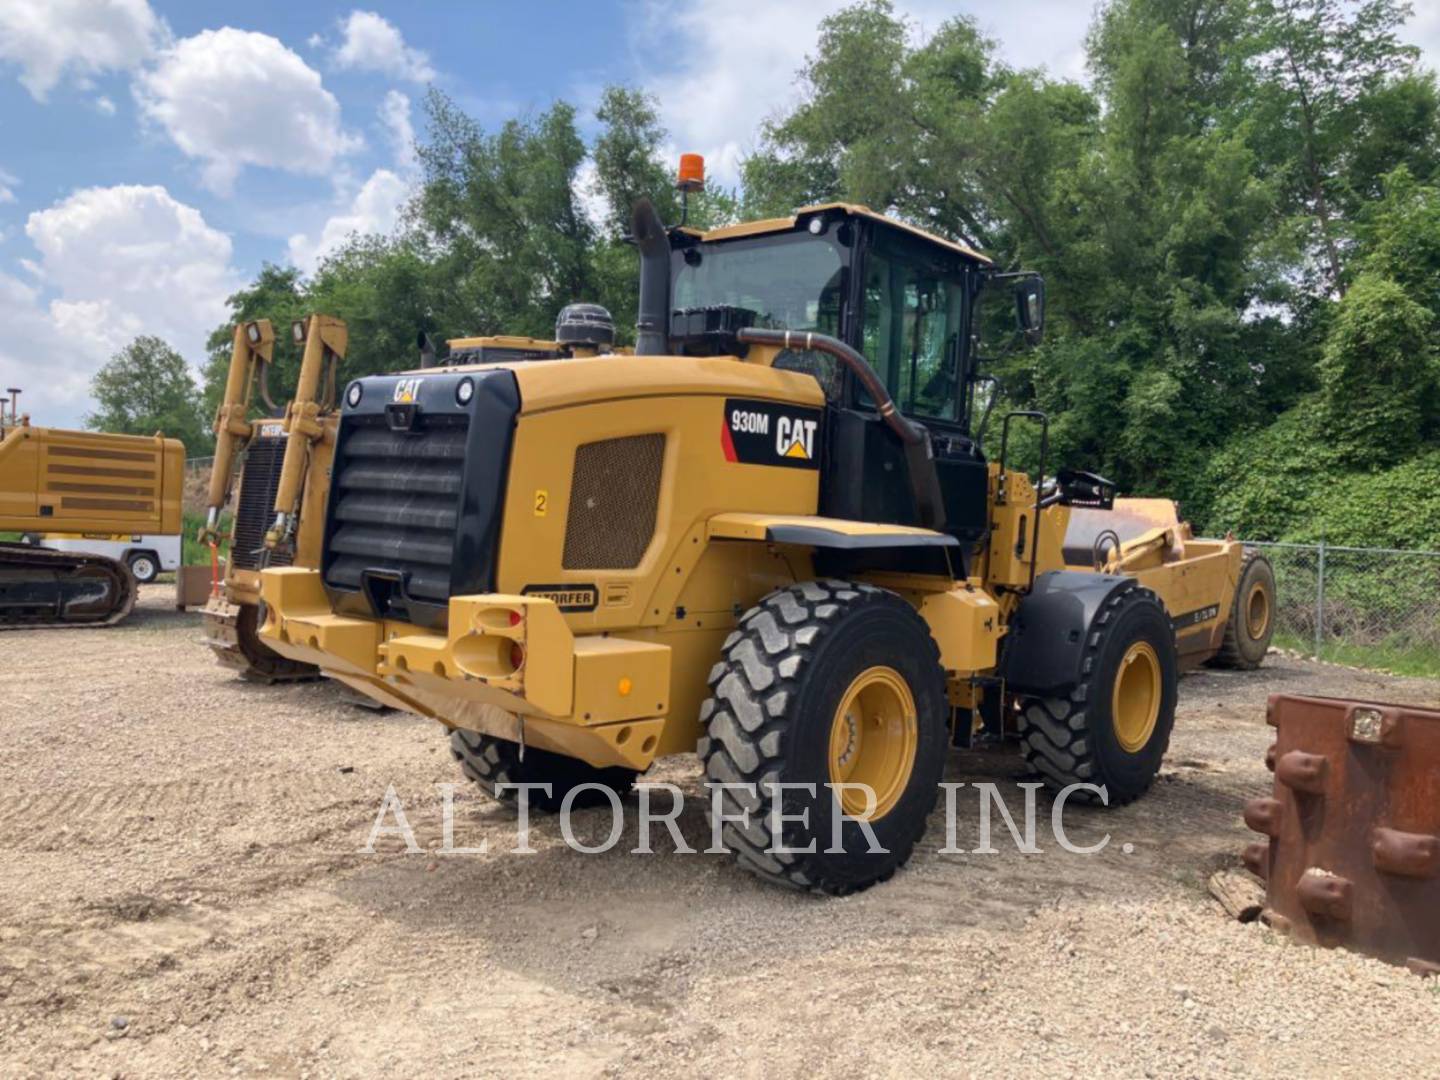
<point>542,502</point>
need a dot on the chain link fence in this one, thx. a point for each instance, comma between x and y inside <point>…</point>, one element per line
<point>1373,607</point>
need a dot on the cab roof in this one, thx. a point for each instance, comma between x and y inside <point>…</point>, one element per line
<point>784,224</point>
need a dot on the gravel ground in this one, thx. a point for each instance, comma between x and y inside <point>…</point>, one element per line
<point>182,893</point>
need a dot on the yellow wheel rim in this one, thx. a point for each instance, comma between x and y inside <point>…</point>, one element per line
<point>872,741</point>
<point>1135,702</point>
<point>1257,611</point>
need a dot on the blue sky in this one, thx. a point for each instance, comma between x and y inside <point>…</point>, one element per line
<point>153,153</point>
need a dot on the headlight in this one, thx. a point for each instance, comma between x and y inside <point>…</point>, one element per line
<point>297,331</point>
<point>465,391</point>
<point>354,394</point>
<point>253,333</point>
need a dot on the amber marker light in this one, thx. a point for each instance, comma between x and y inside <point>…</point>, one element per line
<point>692,173</point>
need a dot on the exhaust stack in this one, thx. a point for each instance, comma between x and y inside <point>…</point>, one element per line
<point>652,323</point>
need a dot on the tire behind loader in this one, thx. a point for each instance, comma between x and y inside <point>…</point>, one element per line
<point>1252,616</point>
<point>1112,729</point>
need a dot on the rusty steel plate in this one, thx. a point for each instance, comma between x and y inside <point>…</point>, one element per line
<point>1353,851</point>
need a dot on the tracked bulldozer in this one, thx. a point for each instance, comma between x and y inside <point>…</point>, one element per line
<point>100,502</point>
<point>774,537</point>
<point>268,478</point>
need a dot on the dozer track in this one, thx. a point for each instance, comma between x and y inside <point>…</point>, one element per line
<point>40,588</point>
<point>230,630</point>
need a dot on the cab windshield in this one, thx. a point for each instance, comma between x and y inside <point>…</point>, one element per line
<point>791,281</point>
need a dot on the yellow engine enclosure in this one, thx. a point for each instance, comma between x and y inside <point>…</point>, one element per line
<point>89,482</point>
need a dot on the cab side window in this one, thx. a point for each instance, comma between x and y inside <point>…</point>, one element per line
<point>911,326</point>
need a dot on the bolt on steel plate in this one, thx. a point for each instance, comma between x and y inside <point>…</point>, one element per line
<point>1352,855</point>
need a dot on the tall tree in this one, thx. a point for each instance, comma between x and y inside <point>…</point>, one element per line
<point>503,217</point>
<point>628,165</point>
<point>1327,68</point>
<point>147,388</point>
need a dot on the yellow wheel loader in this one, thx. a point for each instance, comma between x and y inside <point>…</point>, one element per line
<point>771,537</point>
<point>257,449</point>
<point>96,508</point>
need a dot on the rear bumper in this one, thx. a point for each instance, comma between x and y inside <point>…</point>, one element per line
<point>505,665</point>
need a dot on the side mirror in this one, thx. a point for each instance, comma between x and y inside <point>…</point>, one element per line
<point>1030,309</point>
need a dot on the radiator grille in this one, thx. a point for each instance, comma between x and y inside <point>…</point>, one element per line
<point>613,498</point>
<point>395,504</point>
<point>259,479</point>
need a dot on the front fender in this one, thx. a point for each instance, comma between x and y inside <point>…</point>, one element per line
<point>1045,646</point>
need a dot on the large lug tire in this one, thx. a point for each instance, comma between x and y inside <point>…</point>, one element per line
<point>824,682</point>
<point>1112,729</point>
<point>489,761</point>
<point>1252,616</point>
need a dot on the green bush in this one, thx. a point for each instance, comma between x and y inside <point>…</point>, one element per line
<point>1378,374</point>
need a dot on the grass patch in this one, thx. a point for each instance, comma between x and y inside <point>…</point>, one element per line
<point>1396,656</point>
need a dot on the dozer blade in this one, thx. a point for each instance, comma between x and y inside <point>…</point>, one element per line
<point>42,588</point>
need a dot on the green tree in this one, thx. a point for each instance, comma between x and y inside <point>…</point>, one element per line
<point>147,387</point>
<point>1330,102</point>
<point>1378,375</point>
<point>275,294</point>
<point>501,217</point>
<point>628,165</point>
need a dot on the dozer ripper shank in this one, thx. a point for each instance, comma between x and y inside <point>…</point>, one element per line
<point>269,477</point>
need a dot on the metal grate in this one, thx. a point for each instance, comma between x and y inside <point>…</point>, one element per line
<point>614,494</point>
<point>259,479</point>
<point>396,504</point>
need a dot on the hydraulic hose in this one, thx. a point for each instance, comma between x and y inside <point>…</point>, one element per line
<point>910,432</point>
<point>919,455</point>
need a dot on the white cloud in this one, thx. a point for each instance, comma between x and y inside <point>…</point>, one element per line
<point>8,183</point>
<point>49,39</point>
<point>376,206</point>
<point>233,98</point>
<point>1423,30</point>
<point>395,117</point>
<point>105,105</point>
<point>374,209</point>
<point>115,262</point>
<point>586,186</point>
<point>370,42</point>
<point>54,393</point>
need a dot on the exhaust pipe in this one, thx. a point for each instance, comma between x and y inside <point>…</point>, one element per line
<point>652,322</point>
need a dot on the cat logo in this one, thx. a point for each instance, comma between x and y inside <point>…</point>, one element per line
<point>769,433</point>
<point>795,438</point>
<point>407,390</point>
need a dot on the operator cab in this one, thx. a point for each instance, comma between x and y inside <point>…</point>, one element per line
<point>905,299</point>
